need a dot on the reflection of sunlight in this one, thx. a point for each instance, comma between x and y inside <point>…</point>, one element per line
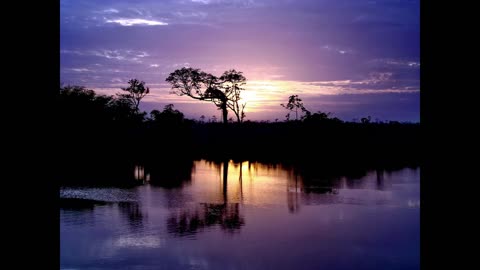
<point>265,185</point>
<point>135,241</point>
<point>139,174</point>
<point>245,166</point>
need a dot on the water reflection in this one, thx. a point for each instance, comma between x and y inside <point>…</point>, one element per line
<point>171,173</point>
<point>132,212</point>
<point>140,175</point>
<point>264,207</point>
<point>227,185</point>
<point>186,222</point>
<point>75,204</point>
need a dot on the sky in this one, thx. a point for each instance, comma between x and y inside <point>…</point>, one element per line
<point>353,58</point>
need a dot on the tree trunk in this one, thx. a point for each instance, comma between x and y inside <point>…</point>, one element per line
<point>225,113</point>
<point>225,180</point>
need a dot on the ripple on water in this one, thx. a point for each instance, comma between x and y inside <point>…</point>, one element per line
<point>99,194</point>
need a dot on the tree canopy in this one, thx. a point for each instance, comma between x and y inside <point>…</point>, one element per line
<point>135,92</point>
<point>294,103</point>
<point>223,91</point>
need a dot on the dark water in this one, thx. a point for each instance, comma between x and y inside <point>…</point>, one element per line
<point>245,216</point>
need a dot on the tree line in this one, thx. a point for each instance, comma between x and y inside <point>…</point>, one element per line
<point>112,127</point>
<point>223,91</point>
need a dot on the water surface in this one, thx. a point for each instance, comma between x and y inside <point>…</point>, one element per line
<point>245,216</point>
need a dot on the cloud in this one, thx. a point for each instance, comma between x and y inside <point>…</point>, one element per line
<point>392,63</point>
<point>376,78</point>
<point>177,65</point>
<point>110,10</point>
<point>70,52</point>
<point>132,22</point>
<point>374,83</point>
<point>142,54</point>
<point>413,64</point>
<point>337,49</point>
<point>196,14</point>
<point>116,80</point>
<point>80,69</point>
<point>121,55</point>
<point>202,1</point>
<point>246,3</point>
<point>139,12</point>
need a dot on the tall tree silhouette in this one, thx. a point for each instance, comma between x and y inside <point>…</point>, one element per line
<point>232,82</point>
<point>294,103</point>
<point>135,92</point>
<point>224,92</point>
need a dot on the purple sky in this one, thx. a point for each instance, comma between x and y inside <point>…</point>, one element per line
<point>350,57</point>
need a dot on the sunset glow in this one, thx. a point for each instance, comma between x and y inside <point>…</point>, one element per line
<point>353,58</point>
<point>239,134</point>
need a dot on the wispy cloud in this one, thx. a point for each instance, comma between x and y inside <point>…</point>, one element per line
<point>196,14</point>
<point>138,11</point>
<point>337,49</point>
<point>245,3</point>
<point>390,62</point>
<point>142,54</point>
<point>202,1</point>
<point>110,10</point>
<point>121,55</point>
<point>177,65</point>
<point>285,88</point>
<point>376,78</point>
<point>413,64</point>
<point>116,80</point>
<point>70,52</point>
<point>132,22</point>
<point>80,69</point>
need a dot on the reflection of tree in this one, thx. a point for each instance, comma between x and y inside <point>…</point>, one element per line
<point>292,195</point>
<point>320,190</point>
<point>171,173</point>
<point>321,185</point>
<point>380,179</point>
<point>75,204</point>
<point>133,213</point>
<point>189,221</point>
<point>323,178</point>
<point>307,184</point>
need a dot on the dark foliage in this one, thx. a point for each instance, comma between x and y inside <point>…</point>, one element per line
<point>108,136</point>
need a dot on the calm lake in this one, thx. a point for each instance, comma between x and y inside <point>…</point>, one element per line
<point>245,216</point>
